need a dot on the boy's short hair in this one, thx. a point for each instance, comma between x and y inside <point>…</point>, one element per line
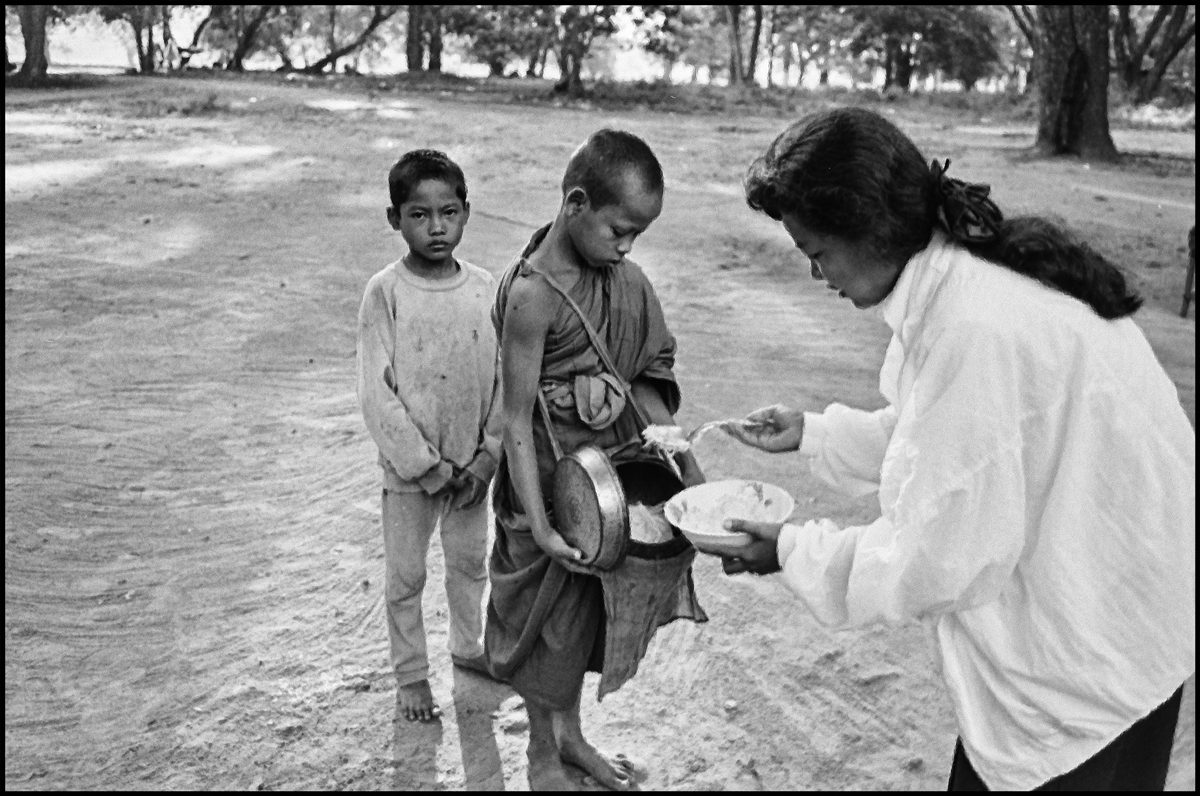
<point>600,163</point>
<point>424,164</point>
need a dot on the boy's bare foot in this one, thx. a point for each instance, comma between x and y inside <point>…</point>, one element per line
<point>611,771</point>
<point>478,664</point>
<point>416,702</point>
<point>546,772</point>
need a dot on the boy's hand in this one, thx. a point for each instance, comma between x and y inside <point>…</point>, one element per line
<point>761,555</point>
<point>470,492</point>
<point>556,547</point>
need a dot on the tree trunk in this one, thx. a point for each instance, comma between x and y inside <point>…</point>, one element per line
<point>149,65</point>
<point>891,48</point>
<point>33,32</point>
<point>433,28</point>
<point>246,39</point>
<point>771,47</point>
<point>333,37</point>
<point>668,68</point>
<point>414,42</point>
<point>752,64</point>
<point>143,37</point>
<point>1174,39</point>
<point>378,18</point>
<point>186,53</point>
<point>1123,45</point>
<point>1072,69</point>
<point>733,15</point>
<point>904,69</point>
<point>170,50</point>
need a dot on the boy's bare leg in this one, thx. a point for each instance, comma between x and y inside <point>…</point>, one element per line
<point>416,701</point>
<point>611,771</point>
<point>546,770</point>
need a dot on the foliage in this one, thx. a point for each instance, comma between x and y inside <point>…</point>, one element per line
<point>693,35</point>
<point>1148,41</point>
<point>816,36</point>
<point>577,27</point>
<point>918,41</point>
<point>497,35</point>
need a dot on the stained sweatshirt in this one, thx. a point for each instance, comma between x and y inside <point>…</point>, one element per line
<point>428,375</point>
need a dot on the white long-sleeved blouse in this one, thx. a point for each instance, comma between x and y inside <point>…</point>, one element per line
<point>1036,475</point>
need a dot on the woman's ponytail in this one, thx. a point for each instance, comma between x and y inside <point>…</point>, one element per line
<point>1031,246</point>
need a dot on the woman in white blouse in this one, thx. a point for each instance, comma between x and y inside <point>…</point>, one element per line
<point>1034,466</point>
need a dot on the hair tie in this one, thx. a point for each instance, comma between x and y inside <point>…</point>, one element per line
<point>964,207</point>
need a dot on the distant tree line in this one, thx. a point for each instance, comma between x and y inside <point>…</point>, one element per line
<point>1067,53</point>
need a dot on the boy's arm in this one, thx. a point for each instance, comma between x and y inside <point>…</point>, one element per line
<point>483,466</point>
<point>648,394</point>
<point>386,417</point>
<point>526,322</point>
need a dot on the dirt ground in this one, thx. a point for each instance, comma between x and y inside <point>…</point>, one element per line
<point>193,561</point>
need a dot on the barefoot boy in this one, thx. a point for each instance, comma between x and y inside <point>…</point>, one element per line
<point>546,623</point>
<point>427,377</point>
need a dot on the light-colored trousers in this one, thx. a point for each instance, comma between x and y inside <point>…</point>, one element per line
<point>409,520</point>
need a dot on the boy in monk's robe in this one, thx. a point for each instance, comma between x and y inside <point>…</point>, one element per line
<point>545,623</point>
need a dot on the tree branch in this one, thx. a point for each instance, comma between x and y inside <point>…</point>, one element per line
<point>377,18</point>
<point>1023,16</point>
<point>1139,50</point>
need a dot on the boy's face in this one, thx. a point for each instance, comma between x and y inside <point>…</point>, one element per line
<point>603,237</point>
<point>431,220</point>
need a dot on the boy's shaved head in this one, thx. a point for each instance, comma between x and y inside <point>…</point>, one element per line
<point>602,163</point>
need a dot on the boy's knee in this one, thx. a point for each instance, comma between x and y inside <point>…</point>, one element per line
<point>472,564</point>
<point>404,586</point>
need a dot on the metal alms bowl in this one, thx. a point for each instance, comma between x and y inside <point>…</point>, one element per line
<point>589,507</point>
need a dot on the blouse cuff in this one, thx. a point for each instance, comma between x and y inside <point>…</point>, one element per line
<point>816,427</point>
<point>788,537</point>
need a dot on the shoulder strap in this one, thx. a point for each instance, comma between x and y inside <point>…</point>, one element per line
<point>598,345</point>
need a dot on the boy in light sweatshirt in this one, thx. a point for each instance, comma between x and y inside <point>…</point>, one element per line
<point>429,392</point>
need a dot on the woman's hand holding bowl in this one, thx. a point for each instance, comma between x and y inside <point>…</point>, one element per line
<point>760,556</point>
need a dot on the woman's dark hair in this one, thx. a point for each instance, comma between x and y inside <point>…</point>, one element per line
<point>424,164</point>
<point>850,173</point>
<point>600,164</point>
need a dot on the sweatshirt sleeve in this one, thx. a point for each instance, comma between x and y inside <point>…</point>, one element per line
<point>952,496</point>
<point>400,442</point>
<point>487,458</point>
<point>845,446</point>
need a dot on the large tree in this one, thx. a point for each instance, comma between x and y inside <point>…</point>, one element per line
<point>423,37</point>
<point>913,41</point>
<point>1165,32</point>
<point>369,26</point>
<point>141,21</point>
<point>744,35</point>
<point>1072,78</point>
<point>499,34</point>
<point>577,27</point>
<point>33,32</point>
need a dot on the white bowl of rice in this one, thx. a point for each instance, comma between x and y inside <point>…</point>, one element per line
<point>700,512</point>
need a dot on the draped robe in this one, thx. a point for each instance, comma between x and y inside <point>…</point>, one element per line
<point>546,624</point>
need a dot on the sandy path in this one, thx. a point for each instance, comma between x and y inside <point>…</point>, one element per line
<point>193,566</point>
